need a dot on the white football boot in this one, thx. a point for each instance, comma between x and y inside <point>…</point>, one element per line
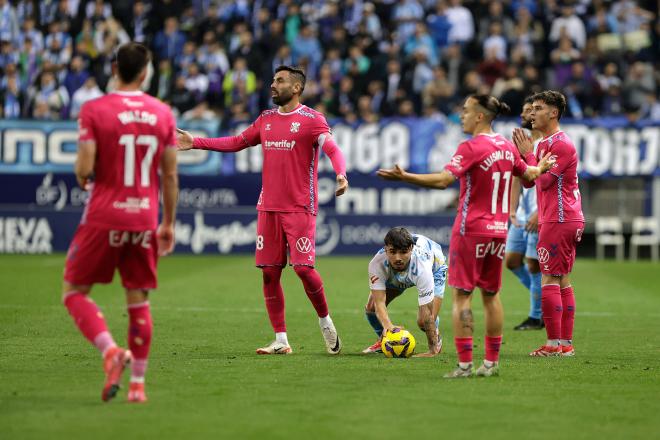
<point>275,348</point>
<point>460,373</point>
<point>484,371</point>
<point>332,341</point>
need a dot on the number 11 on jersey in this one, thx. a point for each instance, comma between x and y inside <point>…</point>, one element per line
<point>505,195</point>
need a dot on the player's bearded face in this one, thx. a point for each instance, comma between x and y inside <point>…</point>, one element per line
<point>398,258</point>
<point>281,89</point>
<point>526,116</point>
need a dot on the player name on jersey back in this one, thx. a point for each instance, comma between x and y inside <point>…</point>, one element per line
<point>131,131</point>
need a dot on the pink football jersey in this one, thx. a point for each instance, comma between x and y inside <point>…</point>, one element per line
<point>290,145</point>
<point>557,191</point>
<point>485,165</point>
<point>131,130</point>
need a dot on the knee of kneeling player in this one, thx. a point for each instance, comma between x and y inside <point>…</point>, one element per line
<point>512,263</point>
<point>533,266</point>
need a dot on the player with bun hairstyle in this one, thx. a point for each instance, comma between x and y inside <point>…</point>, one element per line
<point>484,165</point>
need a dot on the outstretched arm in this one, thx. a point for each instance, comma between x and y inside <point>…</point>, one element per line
<point>229,144</point>
<point>439,180</point>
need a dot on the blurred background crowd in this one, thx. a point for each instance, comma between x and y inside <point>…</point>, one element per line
<point>364,60</point>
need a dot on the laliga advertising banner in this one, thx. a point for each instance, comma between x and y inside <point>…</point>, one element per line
<point>218,214</point>
<point>40,204</point>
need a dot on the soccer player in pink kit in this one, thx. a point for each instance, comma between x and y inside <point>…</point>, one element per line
<point>126,139</point>
<point>561,221</point>
<point>290,137</point>
<point>485,165</point>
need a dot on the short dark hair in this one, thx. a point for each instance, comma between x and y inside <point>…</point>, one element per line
<point>297,73</point>
<point>493,106</point>
<point>553,99</point>
<point>399,238</point>
<point>529,100</point>
<point>131,59</point>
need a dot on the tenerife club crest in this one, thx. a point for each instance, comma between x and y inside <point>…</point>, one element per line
<point>295,127</point>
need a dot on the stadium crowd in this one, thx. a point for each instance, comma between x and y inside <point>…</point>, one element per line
<point>364,60</point>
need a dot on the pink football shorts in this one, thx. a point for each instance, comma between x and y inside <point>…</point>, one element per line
<point>556,246</point>
<point>95,253</point>
<point>277,231</point>
<point>476,262</point>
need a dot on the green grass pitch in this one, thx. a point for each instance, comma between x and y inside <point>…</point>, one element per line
<point>204,380</point>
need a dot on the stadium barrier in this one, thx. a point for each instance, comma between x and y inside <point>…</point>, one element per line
<point>41,204</point>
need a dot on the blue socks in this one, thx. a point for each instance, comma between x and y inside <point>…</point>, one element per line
<point>374,323</point>
<point>535,296</point>
<point>523,275</point>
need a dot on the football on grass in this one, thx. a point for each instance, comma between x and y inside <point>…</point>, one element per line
<point>398,343</point>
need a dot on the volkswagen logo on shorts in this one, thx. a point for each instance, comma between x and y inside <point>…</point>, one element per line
<point>304,245</point>
<point>544,255</point>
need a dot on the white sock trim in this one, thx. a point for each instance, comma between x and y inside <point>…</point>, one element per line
<point>137,305</point>
<point>135,379</point>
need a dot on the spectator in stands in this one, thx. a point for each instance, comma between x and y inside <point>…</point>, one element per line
<point>580,87</point>
<point>439,25</point>
<point>365,111</point>
<point>140,28</point>
<point>372,21</point>
<point>568,24</point>
<point>181,98</point>
<point>8,22</point>
<point>421,41</point>
<point>169,42</point>
<point>562,59</point>
<point>306,45</point>
<point>496,15</point>
<point>29,32</point>
<point>76,75</point>
<point>48,100</point>
<point>510,88</point>
<point>491,68</point>
<point>84,43</point>
<point>188,56</point>
<point>354,40</point>
<point>89,90</point>
<point>439,92</point>
<point>196,81</point>
<point>13,99</point>
<point>239,84</point>
<point>462,23</point>
<point>496,42</point>
<point>406,14</point>
<point>639,83</point>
